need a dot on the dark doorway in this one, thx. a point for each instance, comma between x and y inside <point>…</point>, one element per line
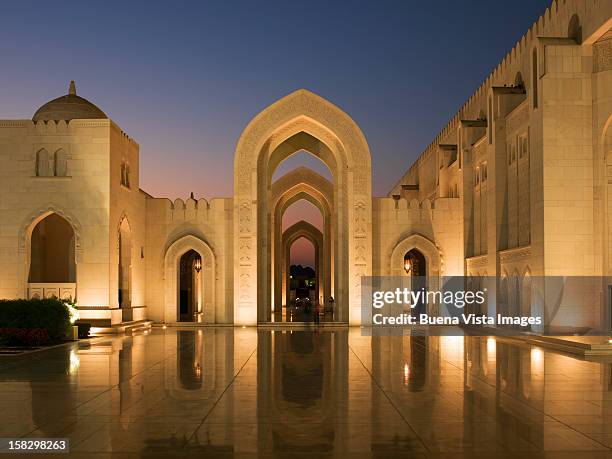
<point>189,286</point>
<point>415,266</point>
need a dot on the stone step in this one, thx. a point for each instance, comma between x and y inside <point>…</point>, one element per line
<point>123,327</point>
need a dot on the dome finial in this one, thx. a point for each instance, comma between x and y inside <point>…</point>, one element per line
<point>72,88</point>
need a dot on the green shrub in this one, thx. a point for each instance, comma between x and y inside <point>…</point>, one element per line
<point>50,314</point>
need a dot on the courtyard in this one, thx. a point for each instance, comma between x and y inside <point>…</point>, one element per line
<point>226,391</point>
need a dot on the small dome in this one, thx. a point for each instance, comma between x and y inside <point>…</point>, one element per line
<point>67,108</point>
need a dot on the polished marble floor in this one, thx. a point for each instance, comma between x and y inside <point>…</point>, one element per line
<point>222,392</point>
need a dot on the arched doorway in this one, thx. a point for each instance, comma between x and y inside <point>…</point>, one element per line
<point>52,267</point>
<point>190,266</point>
<point>425,260</point>
<point>415,266</point>
<point>300,121</point>
<point>124,287</point>
<point>190,295</point>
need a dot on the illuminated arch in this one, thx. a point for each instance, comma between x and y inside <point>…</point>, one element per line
<point>300,121</point>
<point>171,259</point>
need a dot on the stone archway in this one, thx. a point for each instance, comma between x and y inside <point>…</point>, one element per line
<point>300,121</point>
<point>302,183</point>
<point>433,261</point>
<point>292,234</point>
<point>207,276</point>
<point>424,246</point>
<point>25,249</point>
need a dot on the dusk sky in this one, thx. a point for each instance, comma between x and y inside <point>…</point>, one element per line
<point>184,78</point>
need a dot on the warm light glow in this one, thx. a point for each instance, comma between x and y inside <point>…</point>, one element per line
<point>406,374</point>
<point>537,360</point>
<point>407,266</point>
<point>75,362</point>
<point>164,327</point>
<point>491,346</point>
<point>73,313</point>
<point>197,264</point>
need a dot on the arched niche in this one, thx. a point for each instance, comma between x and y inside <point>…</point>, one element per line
<point>300,121</point>
<point>26,231</point>
<point>172,257</point>
<point>125,257</point>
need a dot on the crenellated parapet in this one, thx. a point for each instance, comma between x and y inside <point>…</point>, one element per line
<point>163,210</point>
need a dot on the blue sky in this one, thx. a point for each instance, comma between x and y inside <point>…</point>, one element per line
<point>184,78</point>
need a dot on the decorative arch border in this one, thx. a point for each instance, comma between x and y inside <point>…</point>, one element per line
<point>300,112</point>
<point>430,251</point>
<point>123,218</point>
<point>432,255</point>
<point>172,254</point>
<point>25,240</point>
<point>33,218</point>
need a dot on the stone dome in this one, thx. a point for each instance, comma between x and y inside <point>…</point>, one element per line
<point>68,107</point>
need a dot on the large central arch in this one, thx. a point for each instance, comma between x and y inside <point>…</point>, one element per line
<point>300,121</point>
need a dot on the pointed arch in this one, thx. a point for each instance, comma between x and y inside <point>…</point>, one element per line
<point>43,166</point>
<point>26,230</point>
<point>175,250</point>
<point>302,183</point>
<point>125,255</point>
<point>415,241</point>
<point>290,235</point>
<point>60,163</point>
<point>300,121</point>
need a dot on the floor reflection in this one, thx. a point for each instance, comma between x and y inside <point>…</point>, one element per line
<point>225,391</point>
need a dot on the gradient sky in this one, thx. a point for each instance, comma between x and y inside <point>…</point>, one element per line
<point>184,78</point>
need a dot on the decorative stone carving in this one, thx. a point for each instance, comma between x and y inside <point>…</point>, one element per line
<point>602,55</point>
<point>245,251</point>
<point>360,218</point>
<point>244,217</point>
